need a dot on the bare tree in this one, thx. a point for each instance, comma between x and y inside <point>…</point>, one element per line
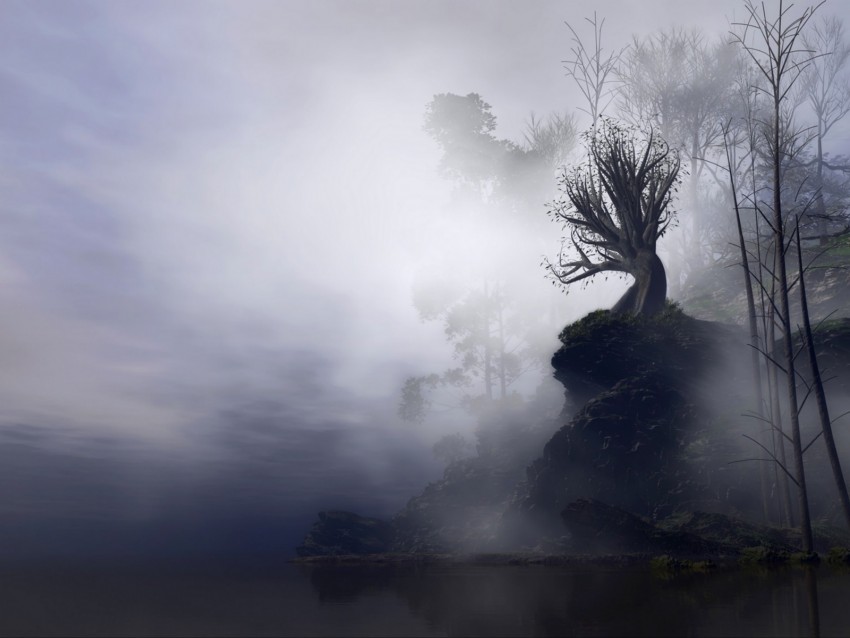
<point>817,386</point>
<point>550,139</point>
<point>732,164</point>
<point>527,167</point>
<point>594,74</point>
<point>616,208</point>
<point>825,87</point>
<point>752,117</point>
<point>682,84</point>
<point>653,72</point>
<point>775,46</point>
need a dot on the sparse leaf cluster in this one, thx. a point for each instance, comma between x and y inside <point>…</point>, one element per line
<point>615,208</point>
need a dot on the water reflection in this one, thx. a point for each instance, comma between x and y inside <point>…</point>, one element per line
<point>811,580</point>
<point>259,598</point>
<point>548,601</point>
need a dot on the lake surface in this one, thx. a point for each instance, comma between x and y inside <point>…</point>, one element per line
<point>262,599</point>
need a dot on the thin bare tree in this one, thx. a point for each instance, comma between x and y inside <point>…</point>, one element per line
<point>729,146</point>
<point>594,73</point>
<point>826,89</point>
<point>817,386</point>
<point>774,44</point>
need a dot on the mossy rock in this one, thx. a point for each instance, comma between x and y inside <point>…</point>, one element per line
<point>621,449</point>
<point>340,533</point>
<point>604,347</point>
<point>666,564</point>
<point>805,558</point>
<point>838,556</point>
<point>762,555</point>
<point>729,531</point>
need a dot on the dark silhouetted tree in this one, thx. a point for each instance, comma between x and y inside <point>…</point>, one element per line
<point>616,206</point>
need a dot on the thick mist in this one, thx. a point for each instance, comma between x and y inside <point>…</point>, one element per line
<point>213,217</point>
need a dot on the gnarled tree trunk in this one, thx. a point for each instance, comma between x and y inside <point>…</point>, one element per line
<point>646,296</point>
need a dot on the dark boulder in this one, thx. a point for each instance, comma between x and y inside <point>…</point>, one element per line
<point>461,512</point>
<point>338,533</point>
<point>644,456</point>
<point>621,448</point>
<point>728,531</point>
<point>603,348</point>
<point>600,528</point>
<point>458,513</point>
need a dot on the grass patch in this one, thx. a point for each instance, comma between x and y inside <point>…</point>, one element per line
<point>764,555</point>
<point>805,558</point>
<point>666,564</point>
<point>838,556</point>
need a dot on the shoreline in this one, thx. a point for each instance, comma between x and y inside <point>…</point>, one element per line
<point>522,558</point>
<point>746,557</point>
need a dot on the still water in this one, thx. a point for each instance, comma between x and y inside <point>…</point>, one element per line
<point>213,599</point>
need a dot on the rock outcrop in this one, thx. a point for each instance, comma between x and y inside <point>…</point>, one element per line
<point>462,511</point>
<point>646,460</point>
<point>459,513</point>
<point>649,439</point>
<point>600,528</point>
<point>338,533</point>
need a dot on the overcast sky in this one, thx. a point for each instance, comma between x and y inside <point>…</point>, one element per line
<point>212,214</point>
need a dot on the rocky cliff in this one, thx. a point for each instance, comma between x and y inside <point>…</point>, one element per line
<point>656,431</point>
<point>652,438</point>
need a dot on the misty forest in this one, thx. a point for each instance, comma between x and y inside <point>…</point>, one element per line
<point>456,317</point>
<point>702,411</point>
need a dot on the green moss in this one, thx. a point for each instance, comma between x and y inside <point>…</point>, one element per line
<point>807,558</point>
<point>837,252</point>
<point>726,530</point>
<point>666,564</point>
<point>672,313</point>
<point>605,322</point>
<point>589,326</point>
<point>763,555</point>
<point>838,556</point>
